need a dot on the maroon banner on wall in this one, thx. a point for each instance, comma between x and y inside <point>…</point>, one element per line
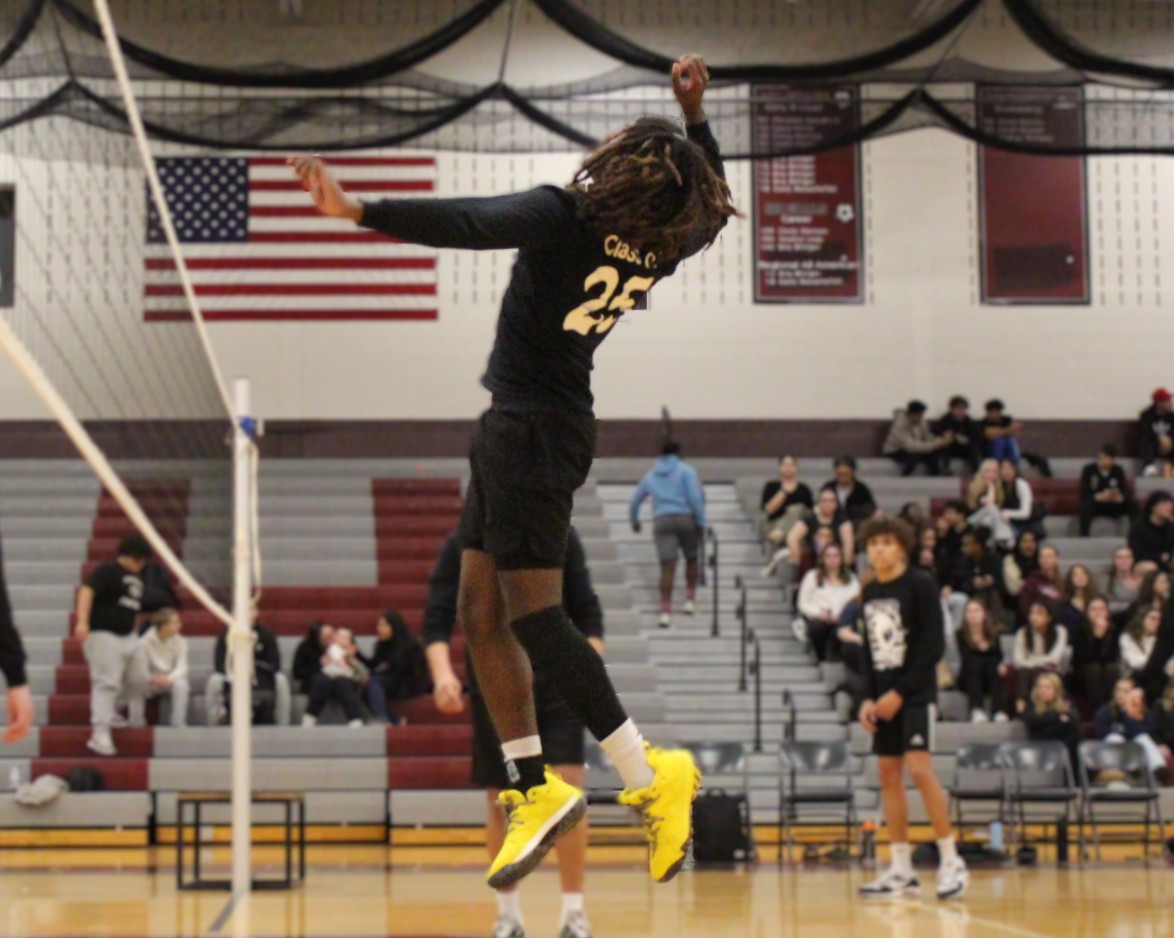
<point>808,229</point>
<point>1033,211</point>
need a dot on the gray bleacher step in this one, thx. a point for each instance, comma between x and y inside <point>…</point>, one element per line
<point>687,674</point>
<point>49,505</point>
<point>105,809</point>
<point>290,742</point>
<point>39,527</point>
<point>42,598</point>
<point>42,572</point>
<point>436,808</point>
<point>772,734</point>
<point>600,551</point>
<point>275,548</point>
<point>296,774</point>
<point>732,701</point>
<point>322,807</point>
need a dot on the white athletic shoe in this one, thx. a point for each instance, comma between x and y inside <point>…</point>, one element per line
<point>308,720</point>
<point>575,926</point>
<point>892,883</point>
<point>508,927</point>
<point>777,558</point>
<point>665,620</point>
<point>953,877</point>
<point>799,628</point>
<point>354,723</point>
<point>978,715</point>
<point>101,743</point>
<point>1001,717</point>
<point>690,608</point>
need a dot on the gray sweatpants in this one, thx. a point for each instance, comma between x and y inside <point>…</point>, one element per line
<point>116,671</point>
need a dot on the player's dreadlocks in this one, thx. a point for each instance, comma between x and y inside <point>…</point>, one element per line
<point>653,185</point>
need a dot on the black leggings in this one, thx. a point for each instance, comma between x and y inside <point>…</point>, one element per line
<point>981,679</point>
<point>324,689</point>
<point>1097,680</point>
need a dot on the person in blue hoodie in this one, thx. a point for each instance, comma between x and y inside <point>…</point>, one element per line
<point>678,511</point>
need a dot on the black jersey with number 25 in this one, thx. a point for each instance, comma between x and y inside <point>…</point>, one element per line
<point>569,286</point>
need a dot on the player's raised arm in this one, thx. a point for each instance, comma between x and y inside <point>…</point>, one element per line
<point>324,189</point>
<point>690,79</point>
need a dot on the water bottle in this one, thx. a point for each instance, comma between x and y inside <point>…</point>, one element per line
<point>868,842</point>
<point>996,836</point>
<point>14,778</point>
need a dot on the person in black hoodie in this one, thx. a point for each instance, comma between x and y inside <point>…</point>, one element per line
<point>957,424</point>
<point>855,498</point>
<point>1104,490</point>
<point>271,697</point>
<point>307,663</point>
<point>1048,715</point>
<point>1096,654</point>
<point>1152,535</point>
<point>980,573</point>
<point>980,675</point>
<point>1155,432</point>
<point>1162,723</point>
<point>399,670</point>
<point>12,665</point>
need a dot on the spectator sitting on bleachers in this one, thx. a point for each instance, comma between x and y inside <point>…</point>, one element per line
<point>1139,639</point>
<point>1000,432</point>
<point>911,443</point>
<point>854,497</point>
<point>964,434</point>
<point>801,539</point>
<point>108,608</point>
<point>1124,719</point>
<point>985,499</point>
<point>341,677</point>
<point>1155,433</point>
<point>850,648</point>
<point>1049,716</point>
<point>1123,584</point>
<point>1162,724</point>
<point>980,674</point>
<point>823,594</point>
<point>785,502</point>
<point>913,515</point>
<point>1151,536</point>
<point>1046,583</point>
<point>1080,589</point>
<point>1096,653</point>
<point>307,663</point>
<point>398,667</point>
<point>980,577</point>
<point>1104,490</point>
<point>1154,590</point>
<point>951,526</point>
<point>1019,505</point>
<point>165,657</point>
<point>1020,564</point>
<point>1040,645</point>
<point>930,558</point>
<point>270,688</point>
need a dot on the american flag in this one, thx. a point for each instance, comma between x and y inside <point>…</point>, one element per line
<point>257,249</point>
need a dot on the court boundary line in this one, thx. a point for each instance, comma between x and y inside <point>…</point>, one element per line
<point>970,919</point>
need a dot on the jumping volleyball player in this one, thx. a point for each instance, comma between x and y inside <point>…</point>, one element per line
<point>646,199</point>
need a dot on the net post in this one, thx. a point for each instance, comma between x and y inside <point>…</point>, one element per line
<point>242,643</point>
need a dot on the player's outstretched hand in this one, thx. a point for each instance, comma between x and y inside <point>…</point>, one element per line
<point>324,189</point>
<point>20,714</point>
<point>447,695</point>
<point>690,79</point>
<point>868,715</point>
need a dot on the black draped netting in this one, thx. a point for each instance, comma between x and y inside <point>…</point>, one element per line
<point>236,74</point>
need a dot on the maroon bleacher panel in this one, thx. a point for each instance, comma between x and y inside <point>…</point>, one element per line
<point>116,528</point>
<point>397,572</point>
<point>426,549</point>
<point>435,487</point>
<point>71,652</point>
<point>73,679</point>
<point>69,709</point>
<point>120,774</point>
<point>421,711</point>
<point>429,772</point>
<point>176,511</point>
<point>429,740</point>
<point>69,742</point>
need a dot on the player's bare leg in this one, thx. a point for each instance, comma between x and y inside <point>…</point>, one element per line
<point>952,874</point>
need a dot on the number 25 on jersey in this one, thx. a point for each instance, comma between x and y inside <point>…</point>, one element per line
<point>582,319</point>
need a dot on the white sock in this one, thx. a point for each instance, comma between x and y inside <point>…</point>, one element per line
<point>902,859</point>
<point>523,748</point>
<point>947,850</point>
<point>510,903</point>
<point>572,903</point>
<point>625,748</point>
<point>308,720</point>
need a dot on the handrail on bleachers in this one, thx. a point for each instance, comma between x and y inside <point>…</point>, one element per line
<point>741,614</point>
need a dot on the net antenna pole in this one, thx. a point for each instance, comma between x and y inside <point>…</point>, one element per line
<point>240,642</point>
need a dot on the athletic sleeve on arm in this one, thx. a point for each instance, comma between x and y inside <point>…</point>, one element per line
<point>440,615</point>
<point>520,220</point>
<point>702,135</point>
<point>12,656</point>
<point>927,640</point>
<point>579,594</point>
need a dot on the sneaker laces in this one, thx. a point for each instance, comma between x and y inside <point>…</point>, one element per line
<point>576,924</point>
<point>511,800</point>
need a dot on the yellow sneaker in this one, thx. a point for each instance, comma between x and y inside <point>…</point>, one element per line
<point>667,809</point>
<point>534,821</point>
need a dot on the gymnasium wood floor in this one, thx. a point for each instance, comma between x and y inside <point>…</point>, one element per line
<point>371,892</point>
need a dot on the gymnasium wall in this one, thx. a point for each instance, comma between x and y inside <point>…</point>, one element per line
<point>705,348</point>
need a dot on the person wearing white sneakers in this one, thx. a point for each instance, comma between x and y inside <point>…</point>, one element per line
<point>904,642</point>
<point>678,511</point>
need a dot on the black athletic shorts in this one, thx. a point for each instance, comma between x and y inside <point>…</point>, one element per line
<point>526,468</point>
<point>911,730</point>
<point>561,734</point>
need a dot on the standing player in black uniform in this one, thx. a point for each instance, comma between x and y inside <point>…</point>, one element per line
<point>904,640</point>
<point>646,199</point>
<point>561,733</point>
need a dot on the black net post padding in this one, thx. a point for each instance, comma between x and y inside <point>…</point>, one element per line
<point>601,38</point>
<point>396,61</point>
<point>24,28</point>
<point>1064,48</point>
<point>976,134</point>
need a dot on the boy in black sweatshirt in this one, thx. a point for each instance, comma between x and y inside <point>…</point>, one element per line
<point>904,640</point>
